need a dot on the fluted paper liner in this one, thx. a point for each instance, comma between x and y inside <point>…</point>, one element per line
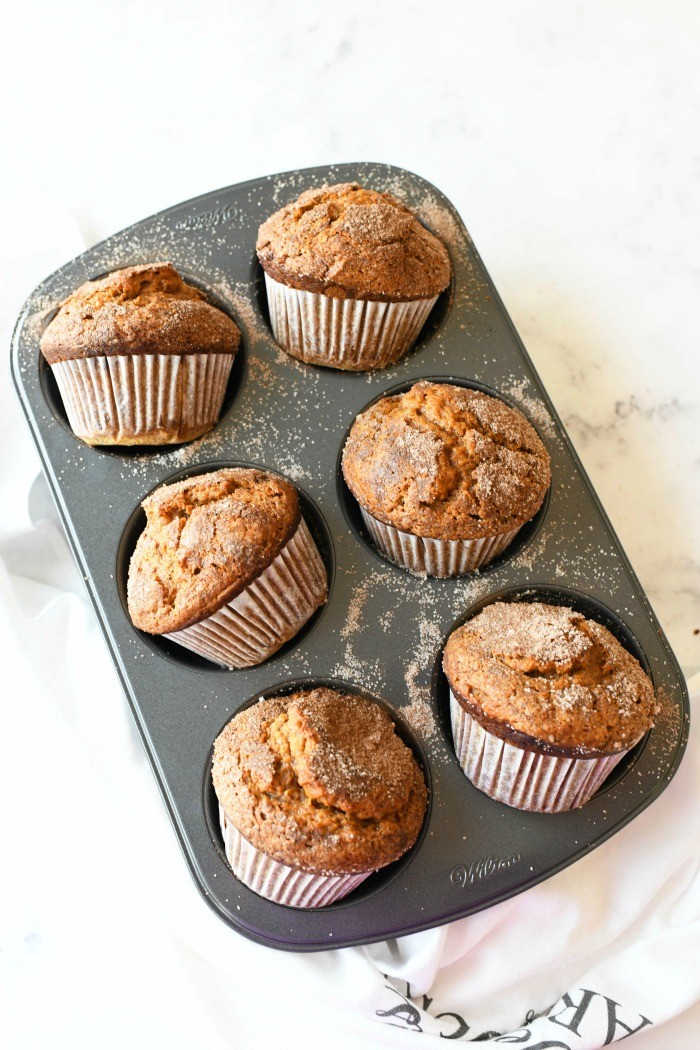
<point>266,613</point>
<point>279,882</point>
<point>524,779</point>
<point>143,399</point>
<point>354,334</point>
<point>441,558</point>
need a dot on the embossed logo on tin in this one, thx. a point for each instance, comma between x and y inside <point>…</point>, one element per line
<point>482,869</point>
<point>208,219</point>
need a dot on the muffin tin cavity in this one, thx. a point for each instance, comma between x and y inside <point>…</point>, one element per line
<point>234,386</point>
<point>351,509</point>
<point>178,654</point>
<point>429,331</point>
<point>382,629</point>
<point>379,879</point>
<point>589,607</point>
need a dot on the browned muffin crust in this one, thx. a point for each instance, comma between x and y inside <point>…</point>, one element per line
<point>446,462</point>
<point>206,538</point>
<point>320,781</point>
<point>545,678</point>
<point>140,310</point>
<point>351,243</point>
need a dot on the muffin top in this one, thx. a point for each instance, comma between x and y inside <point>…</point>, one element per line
<point>320,781</point>
<point>347,242</point>
<point>446,462</point>
<point>545,678</point>
<point>140,310</point>
<point>205,539</point>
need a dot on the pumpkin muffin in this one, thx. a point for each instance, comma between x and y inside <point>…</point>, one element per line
<point>445,476</point>
<point>351,276</point>
<point>226,566</point>
<point>544,703</point>
<point>140,358</point>
<point>315,793</point>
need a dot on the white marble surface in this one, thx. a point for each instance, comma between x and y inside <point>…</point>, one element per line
<point>565,134</point>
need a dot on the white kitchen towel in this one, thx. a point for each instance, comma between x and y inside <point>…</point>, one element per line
<point>104,935</point>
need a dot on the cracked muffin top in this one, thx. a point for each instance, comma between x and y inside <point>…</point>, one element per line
<point>446,462</point>
<point>140,310</point>
<point>205,539</point>
<point>347,242</point>
<point>320,781</point>
<point>547,679</point>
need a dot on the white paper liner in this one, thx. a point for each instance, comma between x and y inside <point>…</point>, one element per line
<point>266,613</point>
<point>143,399</point>
<point>277,881</point>
<point>441,558</point>
<point>343,333</point>
<point>524,779</point>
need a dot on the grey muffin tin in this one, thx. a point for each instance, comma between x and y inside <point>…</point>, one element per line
<point>383,629</point>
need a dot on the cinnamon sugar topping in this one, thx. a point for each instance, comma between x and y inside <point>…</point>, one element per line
<point>446,462</point>
<point>546,635</point>
<point>347,242</point>
<point>549,674</point>
<point>319,780</point>
<point>139,310</point>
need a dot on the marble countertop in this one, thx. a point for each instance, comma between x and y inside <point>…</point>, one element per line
<point>562,137</point>
<point>563,134</point>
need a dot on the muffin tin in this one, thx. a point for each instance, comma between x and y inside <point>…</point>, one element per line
<point>383,629</point>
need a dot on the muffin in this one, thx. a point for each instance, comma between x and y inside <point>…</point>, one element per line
<point>351,276</point>
<point>315,793</point>
<point>140,358</point>
<point>445,476</point>
<point>544,704</point>
<point>226,566</point>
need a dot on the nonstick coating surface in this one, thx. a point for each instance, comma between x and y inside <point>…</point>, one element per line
<point>383,629</point>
